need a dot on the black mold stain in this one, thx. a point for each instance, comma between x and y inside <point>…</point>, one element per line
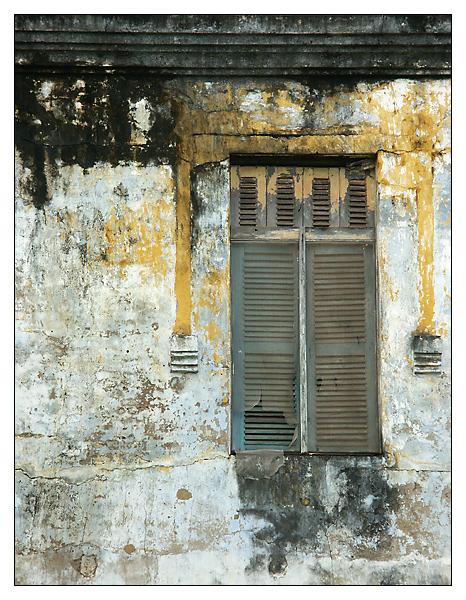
<point>90,123</point>
<point>293,525</point>
<point>278,564</point>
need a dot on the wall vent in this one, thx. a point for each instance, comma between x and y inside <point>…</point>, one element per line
<point>427,354</point>
<point>184,354</point>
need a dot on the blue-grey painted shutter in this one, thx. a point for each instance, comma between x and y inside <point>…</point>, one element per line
<point>265,345</point>
<point>341,335</point>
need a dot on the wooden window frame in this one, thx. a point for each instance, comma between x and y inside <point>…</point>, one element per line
<point>304,234</point>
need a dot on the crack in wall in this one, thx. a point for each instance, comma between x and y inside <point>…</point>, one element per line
<point>72,475</point>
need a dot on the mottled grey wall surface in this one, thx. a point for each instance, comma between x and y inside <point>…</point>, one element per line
<point>124,471</point>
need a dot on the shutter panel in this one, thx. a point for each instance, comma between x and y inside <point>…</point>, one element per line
<point>357,190</point>
<point>321,195</point>
<point>285,200</point>
<point>248,199</point>
<point>341,330</point>
<point>321,202</point>
<point>265,345</point>
<point>357,202</point>
<point>284,195</point>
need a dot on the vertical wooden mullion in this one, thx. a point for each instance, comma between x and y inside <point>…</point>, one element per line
<point>311,351</point>
<point>303,386</point>
<point>343,193</point>
<point>371,367</point>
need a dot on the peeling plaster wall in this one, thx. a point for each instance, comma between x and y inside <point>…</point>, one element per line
<point>122,238</point>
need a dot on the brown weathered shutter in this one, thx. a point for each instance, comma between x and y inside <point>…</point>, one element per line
<point>357,191</point>
<point>265,318</point>
<point>248,199</point>
<point>341,334</point>
<point>321,202</point>
<point>284,193</point>
<point>321,190</point>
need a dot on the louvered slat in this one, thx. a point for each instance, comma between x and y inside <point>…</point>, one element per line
<point>285,200</point>
<point>248,201</point>
<point>339,297</point>
<point>320,202</point>
<point>357,203</point>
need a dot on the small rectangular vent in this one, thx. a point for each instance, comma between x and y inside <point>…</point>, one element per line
<point>357,203</point>
<point>427,354</point>
<point>321,202</point>
<point>248,201</point>
<point>285,201</point>
<point>184,354</point>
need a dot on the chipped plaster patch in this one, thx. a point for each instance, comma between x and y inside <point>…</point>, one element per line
<point>278,109</point>
<point>141,119</point>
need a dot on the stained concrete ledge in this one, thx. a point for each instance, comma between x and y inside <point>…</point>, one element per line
<point>236,45</point>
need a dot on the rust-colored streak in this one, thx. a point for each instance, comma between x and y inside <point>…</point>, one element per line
<point>183,255</point>
<point>426,254</point>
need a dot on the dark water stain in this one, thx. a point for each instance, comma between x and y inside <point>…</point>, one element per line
<point>100,131</point>
<point>298,506</point>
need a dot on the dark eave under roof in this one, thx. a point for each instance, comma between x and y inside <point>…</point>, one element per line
<point>243,45</point>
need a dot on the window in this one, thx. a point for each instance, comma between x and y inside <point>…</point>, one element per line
<point>303,309</point>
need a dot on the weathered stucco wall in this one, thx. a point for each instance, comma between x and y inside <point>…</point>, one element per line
<point>122,238</point>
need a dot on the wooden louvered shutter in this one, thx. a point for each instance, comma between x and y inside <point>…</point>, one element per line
<point>357,190</point>
<point>265,345</point>
<point>341,341</point>
<point>248,199</point>
<point>284,193</point>
<point>321,193</point>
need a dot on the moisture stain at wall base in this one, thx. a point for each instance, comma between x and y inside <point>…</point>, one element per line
<point>310,499</point>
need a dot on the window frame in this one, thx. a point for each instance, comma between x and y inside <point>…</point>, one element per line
<point>305,236</point>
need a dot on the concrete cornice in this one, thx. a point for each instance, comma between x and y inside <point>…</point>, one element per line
<point>228,45</point>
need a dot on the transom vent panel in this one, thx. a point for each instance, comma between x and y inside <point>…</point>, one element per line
<point>285,200</point>
<point>321,202</point>
<point>357,203</point>
<point>248,201</point>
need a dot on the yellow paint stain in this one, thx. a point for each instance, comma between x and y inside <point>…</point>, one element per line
<point>212,332</point>
<point>443,330</point>
<point>183,254</point>
<point>140,236</point>
<point>425,211</point>
<point>165,468</point>
<point>216,357</point>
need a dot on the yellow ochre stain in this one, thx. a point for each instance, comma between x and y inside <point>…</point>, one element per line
<point>183,254</point>
<point>139,236</point>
